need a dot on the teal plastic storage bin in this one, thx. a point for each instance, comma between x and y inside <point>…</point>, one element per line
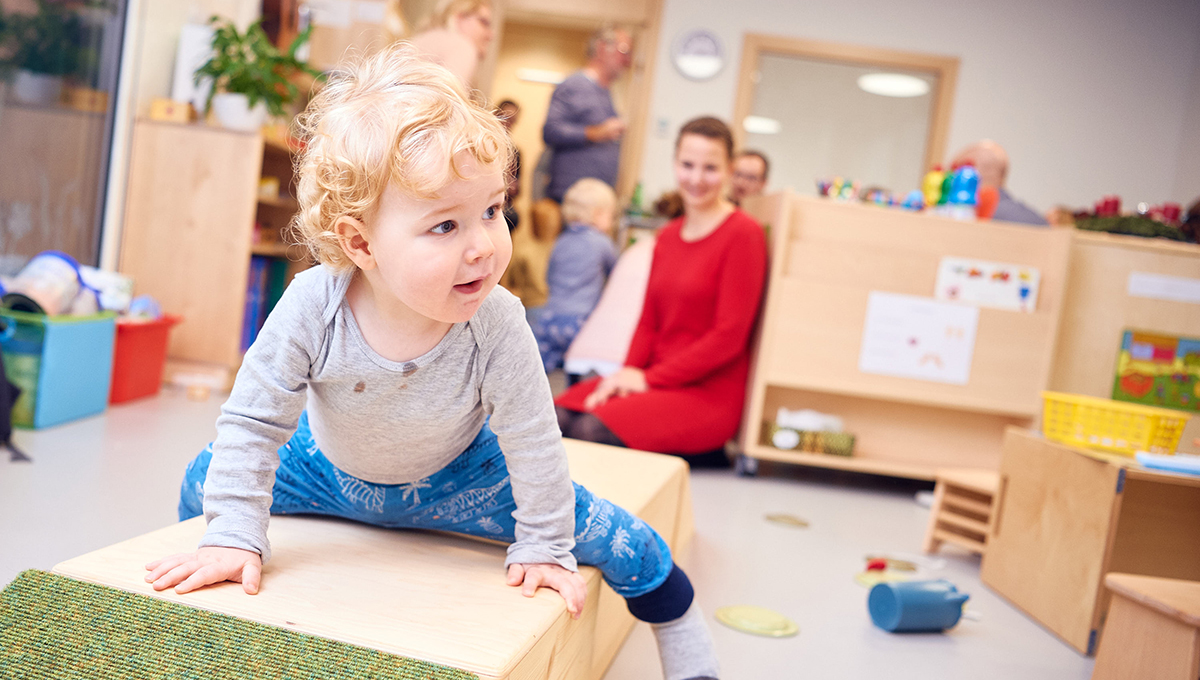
<point>63,365</point>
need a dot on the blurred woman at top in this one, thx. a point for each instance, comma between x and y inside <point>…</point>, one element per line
<point>458,36</point>
<point>683,385</point>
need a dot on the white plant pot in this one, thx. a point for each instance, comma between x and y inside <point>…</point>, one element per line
<point>37,89</point>
<point>233,112</point>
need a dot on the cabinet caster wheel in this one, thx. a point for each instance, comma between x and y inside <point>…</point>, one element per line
<point>746,466</point>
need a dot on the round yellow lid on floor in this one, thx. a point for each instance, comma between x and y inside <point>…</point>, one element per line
<point>757,621</point>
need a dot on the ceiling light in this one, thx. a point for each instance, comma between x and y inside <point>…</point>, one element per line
<point>893,85</point>
<point>758,125</point>
<point>538,75</point>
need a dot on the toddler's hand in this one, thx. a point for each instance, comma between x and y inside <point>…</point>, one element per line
<point>189,571</point>
<point>569,584</point>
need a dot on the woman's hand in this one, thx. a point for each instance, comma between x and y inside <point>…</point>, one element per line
<point>628,380</point>
<point>569,584</point>
<point>189,571</point>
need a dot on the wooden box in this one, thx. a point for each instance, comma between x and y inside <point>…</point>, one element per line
<point>424,595</point>
<point>1065,517</point>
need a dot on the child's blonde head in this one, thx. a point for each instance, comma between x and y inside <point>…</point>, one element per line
<point>585,198</point>
<point>391,118</point>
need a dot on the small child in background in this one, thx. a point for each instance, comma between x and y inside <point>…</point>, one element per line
<point>582,258</point>
<point>397,385</point>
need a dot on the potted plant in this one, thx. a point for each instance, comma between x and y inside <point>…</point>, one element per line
<point>43,47</point>
<point>251,78</point>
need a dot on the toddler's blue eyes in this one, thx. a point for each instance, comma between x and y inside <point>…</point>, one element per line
<point>443,228</point>
<point>490,213</point>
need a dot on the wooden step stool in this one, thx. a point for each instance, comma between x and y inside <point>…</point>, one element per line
<point>962,509</point>
<point>1152,631</point>
<point>425,595</point>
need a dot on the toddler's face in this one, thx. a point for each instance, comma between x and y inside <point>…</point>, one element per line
<point>441,257</point>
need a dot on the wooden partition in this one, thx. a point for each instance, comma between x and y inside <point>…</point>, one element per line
<point>1098,307</point>
<point>827,258</point>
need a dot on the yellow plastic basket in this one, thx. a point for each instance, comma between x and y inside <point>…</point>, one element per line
<point>1114,426</point>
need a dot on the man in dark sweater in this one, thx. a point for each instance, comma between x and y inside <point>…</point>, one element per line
<point>583,130</point>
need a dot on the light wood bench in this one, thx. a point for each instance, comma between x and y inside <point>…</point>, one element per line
<point>1153,630</point>
<point>429,596</point>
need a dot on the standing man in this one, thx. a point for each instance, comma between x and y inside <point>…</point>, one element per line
<point>750,169</point>
<point>583,130</point>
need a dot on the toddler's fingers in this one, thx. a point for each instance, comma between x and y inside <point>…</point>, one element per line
<point>516,574</point>
<point>176,575</point>
<point>533,580</point>
<point>251,577</point>
<point>205,575</point>
<point>159,567</point>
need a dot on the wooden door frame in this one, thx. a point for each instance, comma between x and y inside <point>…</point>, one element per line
<point>943,67</point>
<point>641,72</point>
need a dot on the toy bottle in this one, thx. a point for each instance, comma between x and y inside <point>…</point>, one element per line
<point>931,186</point>
<point>964,186</point>
<point>944,194</point>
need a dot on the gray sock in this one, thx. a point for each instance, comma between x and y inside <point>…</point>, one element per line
<point>685,646</point>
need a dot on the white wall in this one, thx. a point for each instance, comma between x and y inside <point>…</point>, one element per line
<point>1187,172</point>
<point>1087,96</point>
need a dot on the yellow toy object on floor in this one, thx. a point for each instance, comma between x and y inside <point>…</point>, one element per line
<point>757,621</point>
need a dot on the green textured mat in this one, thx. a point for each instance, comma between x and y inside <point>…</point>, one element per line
<point>53,627</point>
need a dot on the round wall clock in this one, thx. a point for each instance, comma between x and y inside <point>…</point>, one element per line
<point>698,54</point>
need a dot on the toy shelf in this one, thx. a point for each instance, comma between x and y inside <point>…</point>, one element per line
<point>827,258</point>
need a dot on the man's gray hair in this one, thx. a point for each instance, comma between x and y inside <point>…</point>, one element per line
<point>605,35</point>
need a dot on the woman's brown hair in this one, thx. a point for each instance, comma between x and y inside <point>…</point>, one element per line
<point>712,128</point>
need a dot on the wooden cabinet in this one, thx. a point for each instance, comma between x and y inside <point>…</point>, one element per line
<point>828,257</point>
<point>1064,518</point>
<point>190,212</point>
<point>1098,305</point>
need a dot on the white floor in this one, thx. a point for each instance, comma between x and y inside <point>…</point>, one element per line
<point>104,479</point>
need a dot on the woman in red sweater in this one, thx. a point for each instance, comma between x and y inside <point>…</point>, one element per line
<point>684,382</point>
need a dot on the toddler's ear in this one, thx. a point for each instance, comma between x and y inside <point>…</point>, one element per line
<point>352,237</point>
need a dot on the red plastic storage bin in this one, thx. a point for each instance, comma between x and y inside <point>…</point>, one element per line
<point>139,357</point>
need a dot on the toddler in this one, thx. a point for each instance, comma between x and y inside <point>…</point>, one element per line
<point>397,385</point>
<point>582,258</point>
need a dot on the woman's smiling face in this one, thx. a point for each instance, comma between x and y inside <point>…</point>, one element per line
<point>701,171</point>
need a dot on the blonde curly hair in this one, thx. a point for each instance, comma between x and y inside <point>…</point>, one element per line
<point>390,118</point>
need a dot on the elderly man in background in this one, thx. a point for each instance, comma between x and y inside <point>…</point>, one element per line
<point>750,170</point>
<point>583,130</point>
<point>991,161</point>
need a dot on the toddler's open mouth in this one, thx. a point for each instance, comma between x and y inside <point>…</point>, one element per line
<point>471,286</point>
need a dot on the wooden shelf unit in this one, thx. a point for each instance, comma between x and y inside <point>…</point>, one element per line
<point>827,257</point>
<point>191,207</point>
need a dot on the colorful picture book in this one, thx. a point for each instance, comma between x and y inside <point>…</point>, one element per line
<point>1158,370</point>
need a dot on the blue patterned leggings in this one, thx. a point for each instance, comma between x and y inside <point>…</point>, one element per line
<point>469,496</point>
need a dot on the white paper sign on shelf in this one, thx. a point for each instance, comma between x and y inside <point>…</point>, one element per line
<point>917,337</point>
<point>1163,287</point>
<point>1013,287</point>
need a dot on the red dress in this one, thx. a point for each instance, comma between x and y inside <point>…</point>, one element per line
<point>692,341</point>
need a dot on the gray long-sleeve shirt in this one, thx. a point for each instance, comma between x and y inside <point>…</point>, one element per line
<point>389,422</point>
<point>579,102</point>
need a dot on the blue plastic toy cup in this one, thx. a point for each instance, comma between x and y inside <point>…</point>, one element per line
<point>916,606</point>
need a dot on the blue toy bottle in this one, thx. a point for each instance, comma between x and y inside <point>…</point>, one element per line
<point>964,186</point>
<point>916,606</point>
